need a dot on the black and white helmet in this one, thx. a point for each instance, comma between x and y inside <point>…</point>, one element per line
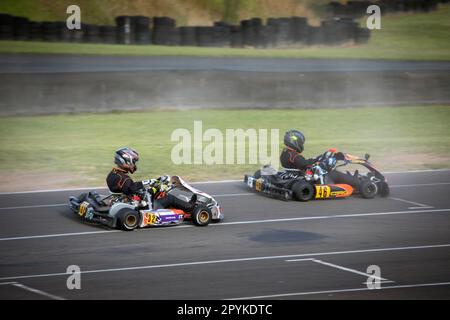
<point>126,158</point>
<point>294,139</point>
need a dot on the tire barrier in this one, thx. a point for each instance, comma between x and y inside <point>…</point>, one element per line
<point>277,32</point>
<point>125,30</point>
<point>188,36</point>
<point>21,28</point>
<point>165,31</point>
<point>142,29</point>
<point>338,28</point>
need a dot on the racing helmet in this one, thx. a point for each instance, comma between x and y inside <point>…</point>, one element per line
<point>294,139</point>
<point>126,158</point>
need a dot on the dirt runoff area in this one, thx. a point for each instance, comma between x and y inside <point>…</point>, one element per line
<point>31,181</point>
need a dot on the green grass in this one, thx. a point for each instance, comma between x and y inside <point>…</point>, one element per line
<point>83,145</point>
<point>424,36</point>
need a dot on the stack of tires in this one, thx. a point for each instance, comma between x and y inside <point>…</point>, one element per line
<point>64,34</point>
<point>204,36</point>
<point>299,27</point>
<point>108,34</point>
<point>221,34</point>
<point>362,36</point>
<point>125,30</point>
<point>91,33</point>
<point>267,36</point>
<point>142,30</point>
<point>21,28</point>
<point>236,40</point>
<point>6,27</point>
<point>50,31</point>
<point>251,32</point>
<point>283,35</point>
<point>339,31</point>
<point>188,36</point>
<point>35,31</point>
<point>316,36</point>
<point>165,32</point>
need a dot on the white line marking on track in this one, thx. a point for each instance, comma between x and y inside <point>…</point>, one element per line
<point>342,290</point>
<point>341,268</point>
<point>233,194</point>
<point>37,291</point>
<point>58,235</point>
<point>185,264</point>
<point>199,182</point>
<point>420,205</point>
<point>419,185</point>
<point>355,215</point>
<point>349,270</point>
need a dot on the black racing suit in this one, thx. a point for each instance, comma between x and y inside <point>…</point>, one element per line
<point>291,159</point>
<point>119,181</point>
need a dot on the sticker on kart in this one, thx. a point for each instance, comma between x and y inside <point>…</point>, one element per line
<point>83,208</point>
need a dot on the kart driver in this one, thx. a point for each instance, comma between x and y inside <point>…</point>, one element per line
<point>119,181</point>
<point>291,158</point>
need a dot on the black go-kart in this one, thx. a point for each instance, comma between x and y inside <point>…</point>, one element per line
<point>314,183</point>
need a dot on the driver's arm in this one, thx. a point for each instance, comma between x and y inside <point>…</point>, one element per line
<point>130,187</point>
<point>301,163</point>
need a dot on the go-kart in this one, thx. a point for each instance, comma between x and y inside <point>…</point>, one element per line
<point>118,210</point>
<point>314,183</point>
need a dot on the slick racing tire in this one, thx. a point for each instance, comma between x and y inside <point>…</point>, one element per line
<point>303,191</point>
<point>127,219</point>
<point>368,189</point>
<point>201,216</point>
<point>384,189</point>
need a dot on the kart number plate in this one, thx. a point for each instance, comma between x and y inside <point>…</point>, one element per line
<point>83,208</point>
<point>258,185</point>
<point>150,218</point>
<point>250,182</point>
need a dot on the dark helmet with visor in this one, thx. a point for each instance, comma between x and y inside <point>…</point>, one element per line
<point>126,158</point>
<point>294,139</point>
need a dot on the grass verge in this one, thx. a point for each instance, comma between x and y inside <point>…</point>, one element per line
<point>80,147</point>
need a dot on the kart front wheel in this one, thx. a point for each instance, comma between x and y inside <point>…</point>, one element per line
<point>368,189</point>
<point>303,191</point>
<point>201,216</point>
<point>384,189</point>
<point>127,219</point>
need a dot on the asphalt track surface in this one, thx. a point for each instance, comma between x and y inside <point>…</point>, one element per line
<point>264,249</point>
<point>28,63</point>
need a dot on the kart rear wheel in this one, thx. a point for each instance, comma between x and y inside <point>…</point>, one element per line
<point>368,189</point>
<point>201,216</point>
<point>303,191</point>
<point>127,219</point>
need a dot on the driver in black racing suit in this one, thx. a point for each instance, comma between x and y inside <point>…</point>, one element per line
<point>291,158</point>
<point>119,181</point>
